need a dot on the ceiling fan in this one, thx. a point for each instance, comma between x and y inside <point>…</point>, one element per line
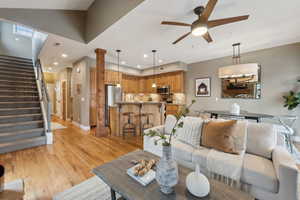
<point>202,24</point>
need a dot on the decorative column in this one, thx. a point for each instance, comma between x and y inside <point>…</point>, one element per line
<point>101,130</point>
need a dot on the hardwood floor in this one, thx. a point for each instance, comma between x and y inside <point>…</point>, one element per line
<point>50,169</point>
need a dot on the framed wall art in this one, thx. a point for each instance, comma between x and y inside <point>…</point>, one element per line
<point>202,87</point>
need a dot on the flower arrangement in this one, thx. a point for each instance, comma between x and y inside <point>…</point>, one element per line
<point>167,139</point>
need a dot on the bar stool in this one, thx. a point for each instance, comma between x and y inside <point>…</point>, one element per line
<point>128,127</point>
<point>147,124</point>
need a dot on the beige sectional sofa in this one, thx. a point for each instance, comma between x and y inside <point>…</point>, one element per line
<point>268,169</point>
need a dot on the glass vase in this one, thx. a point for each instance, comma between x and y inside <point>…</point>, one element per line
<point>167,171</point>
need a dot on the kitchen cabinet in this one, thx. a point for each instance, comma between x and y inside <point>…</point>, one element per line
<point>130,84</point>
<point>136,84</point>
<point>112,77</point>
<point>172,109</point>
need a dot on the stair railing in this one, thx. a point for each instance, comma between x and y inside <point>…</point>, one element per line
<point>43,94</point>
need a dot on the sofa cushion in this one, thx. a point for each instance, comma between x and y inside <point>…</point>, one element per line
<point>261,139</point>
<point>259,172</point>
<point>231,162</point>
<point>170,123</point>
<point>219,136</point>
<point>182,151</point>
<point>190,133</point>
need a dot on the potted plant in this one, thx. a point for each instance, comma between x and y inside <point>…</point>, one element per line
<point>292,100</point>
<point>167,170</point>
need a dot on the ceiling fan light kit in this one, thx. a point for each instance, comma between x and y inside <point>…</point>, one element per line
<point>201,26</point>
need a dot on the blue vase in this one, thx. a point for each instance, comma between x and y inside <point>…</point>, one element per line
<point>167,171</point>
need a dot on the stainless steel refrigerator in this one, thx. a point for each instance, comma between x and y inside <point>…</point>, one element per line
<point>113,94</point>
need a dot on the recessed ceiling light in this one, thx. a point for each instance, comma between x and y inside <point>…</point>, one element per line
<point>123,62</point>
<point>64,55</point>
<point>55,63</point>
<point>138,66</point>
<point>17,39</point>
<point>160,61</point>
<point>145,56</point>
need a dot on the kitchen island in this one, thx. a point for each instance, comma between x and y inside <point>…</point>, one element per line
<point>156,109</point>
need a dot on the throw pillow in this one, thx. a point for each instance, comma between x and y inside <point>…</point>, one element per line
<point>190,133</point>
<point>220,136</point>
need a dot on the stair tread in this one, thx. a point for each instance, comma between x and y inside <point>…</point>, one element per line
<point>31,108</point>
<point>21,131</point>
<point>21,123</point>
<point>16,142</point>
<point>15,61</point>
<point>9,96</point>
<point>21,102</point>
<point>18,86</point>
<point>10,61</point>
<point>14,81</point>
<point>17,77</point>
<point>20,115</point>
<point>16,57</point>
<point>4,70</point>
<point>16,69</point>
<point>18,91</point>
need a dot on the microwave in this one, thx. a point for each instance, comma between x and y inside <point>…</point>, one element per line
<point>163,90</point>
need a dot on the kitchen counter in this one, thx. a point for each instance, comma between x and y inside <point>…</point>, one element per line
<point>157,109</point>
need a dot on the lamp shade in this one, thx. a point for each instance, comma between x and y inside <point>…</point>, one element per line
<point>239,70</point>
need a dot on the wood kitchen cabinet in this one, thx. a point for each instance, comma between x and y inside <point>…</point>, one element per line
<point>172,109</point>
<point>112,77</point>
<point>130,84</point>
<point>136,84</point>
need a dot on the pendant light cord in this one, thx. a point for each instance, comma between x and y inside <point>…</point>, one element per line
<point>154,52</point>
<point>118,52</point>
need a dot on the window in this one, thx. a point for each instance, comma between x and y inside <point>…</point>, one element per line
<point>22,30</point>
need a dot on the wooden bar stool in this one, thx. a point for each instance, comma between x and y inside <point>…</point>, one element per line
<point>128,127</point>
<point>147,124</point>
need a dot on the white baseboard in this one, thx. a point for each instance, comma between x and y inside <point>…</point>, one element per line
<point>49,137</point>
<point>85,128</point>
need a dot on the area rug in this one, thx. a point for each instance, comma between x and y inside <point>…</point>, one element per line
<point>55,126</point>
<point>91,189</point>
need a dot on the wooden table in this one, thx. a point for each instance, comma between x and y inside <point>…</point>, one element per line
<point>114,175</point>
<point>246,115</point>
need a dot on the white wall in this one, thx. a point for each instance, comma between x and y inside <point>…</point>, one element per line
<point>280,72</point>
<point>38,41</point>
<point>8,44</point>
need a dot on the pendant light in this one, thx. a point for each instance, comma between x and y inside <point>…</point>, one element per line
<point>119,83</point>
<point>154,83</point>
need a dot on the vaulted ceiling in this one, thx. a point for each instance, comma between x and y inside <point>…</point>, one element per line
<point>270,24</point>
<point>47,4</point>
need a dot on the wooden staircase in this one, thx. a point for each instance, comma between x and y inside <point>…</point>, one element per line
<point>21,120</point>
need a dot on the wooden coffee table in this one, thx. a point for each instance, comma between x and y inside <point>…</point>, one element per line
<point>115,176</point>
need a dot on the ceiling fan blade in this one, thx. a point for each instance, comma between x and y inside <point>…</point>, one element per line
<point>207,37</point>
<point>209,9</point>
<point>175,23</point>
<point>181,38</point>
<point>219,22</point>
